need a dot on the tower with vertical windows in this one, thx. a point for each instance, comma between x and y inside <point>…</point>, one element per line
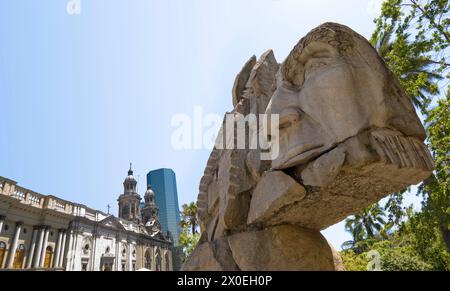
<point>129,201</point>
<point>163,182</point>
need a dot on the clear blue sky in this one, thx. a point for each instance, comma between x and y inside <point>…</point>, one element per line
<point>81,96</point>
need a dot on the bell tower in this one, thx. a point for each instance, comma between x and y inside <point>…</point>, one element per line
<point>129,208</point>
<point>150,210</point>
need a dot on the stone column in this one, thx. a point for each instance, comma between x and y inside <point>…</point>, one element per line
<point>141,256</point>
<point>13,245</point>
<point>2,220</point>
<point>117,261</point>
<point>44,247</point>
<point>71,236</point>
<point>94,252</point>
<point>57,249</point>
<point>154,248</point>
<point>38,249</point>
<point>129,257</point>
<point>63,249</point>
<point>32,247</point>
<point>163,260</point>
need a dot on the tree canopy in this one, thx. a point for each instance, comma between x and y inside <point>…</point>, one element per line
<point>413,38</point>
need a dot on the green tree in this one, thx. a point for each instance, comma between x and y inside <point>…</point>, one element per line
<point>394,208</point>
<point>436,191</point>
<point>417,72</point>
<point>188,241</point>
<point>365,227</point>
<point>396,254</point>
<point>431,227</point>
<point>189,236</point>
<point>424,24</point>
<point>189,217</point>
<point>426,240</point>
<point>413,38</point>
<point>354,261</point>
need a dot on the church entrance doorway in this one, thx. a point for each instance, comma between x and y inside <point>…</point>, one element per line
<point>107,262</point>
<point>48,257</point>
<point>18,257</point>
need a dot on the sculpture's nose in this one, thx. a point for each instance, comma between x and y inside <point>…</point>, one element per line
<point>285,107</point>
<point>281,99</point>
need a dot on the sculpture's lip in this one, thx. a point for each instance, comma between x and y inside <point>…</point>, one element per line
<point>299,154</point>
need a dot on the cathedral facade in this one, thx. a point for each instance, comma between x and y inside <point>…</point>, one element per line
<point>45,232</point>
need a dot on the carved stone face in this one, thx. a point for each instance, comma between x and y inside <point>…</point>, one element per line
<point>330,88</point>
<point>347,130</point>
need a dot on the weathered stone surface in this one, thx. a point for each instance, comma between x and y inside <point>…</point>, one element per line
<point>337,260</point>
<point>202,259</point>
<point>234,199</point>
<point>378,162</point>
<point>241,80</point>
<point>223,255</point>
<point>274,191</point>
<point>348,136</point>
<point>211,256</point>
<point>323,170</point>
<point>262,78</point>
<point>333,86</point>
<point>285,247</point>
<point>253,164</point>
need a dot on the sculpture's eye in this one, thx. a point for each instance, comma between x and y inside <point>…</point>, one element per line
<point>316,61</point>
<point>289,116</point>
<point>314,64</point>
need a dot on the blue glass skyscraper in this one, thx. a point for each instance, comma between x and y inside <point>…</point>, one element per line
<point>164,184</point>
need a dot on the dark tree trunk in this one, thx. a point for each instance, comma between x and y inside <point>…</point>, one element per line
<point>194,226</point>
<point>446,235</point>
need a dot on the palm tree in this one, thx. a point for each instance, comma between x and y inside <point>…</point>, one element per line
<point>416,71</point>
<point>366,226</point>
<point>189,217</point>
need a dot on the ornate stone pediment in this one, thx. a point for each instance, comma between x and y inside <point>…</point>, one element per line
<point>113,222</point>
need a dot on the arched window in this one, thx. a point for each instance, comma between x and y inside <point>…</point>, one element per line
<point>148,260</point>
<point>86,246</point>
<point>18,257</point>
<point>86,250</point>
<point>48,257</point>
<point>126,210</point>
<point>2,252</point>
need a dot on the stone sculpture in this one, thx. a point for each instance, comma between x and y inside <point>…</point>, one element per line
<point>348,136</point>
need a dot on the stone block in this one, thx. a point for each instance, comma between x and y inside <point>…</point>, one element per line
<point>274,191</point>
<point>282,248</point>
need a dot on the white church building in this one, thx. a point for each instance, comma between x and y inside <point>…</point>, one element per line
<point>44,232</point>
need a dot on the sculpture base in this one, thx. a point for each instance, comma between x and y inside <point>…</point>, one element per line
<point>278,248</point>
